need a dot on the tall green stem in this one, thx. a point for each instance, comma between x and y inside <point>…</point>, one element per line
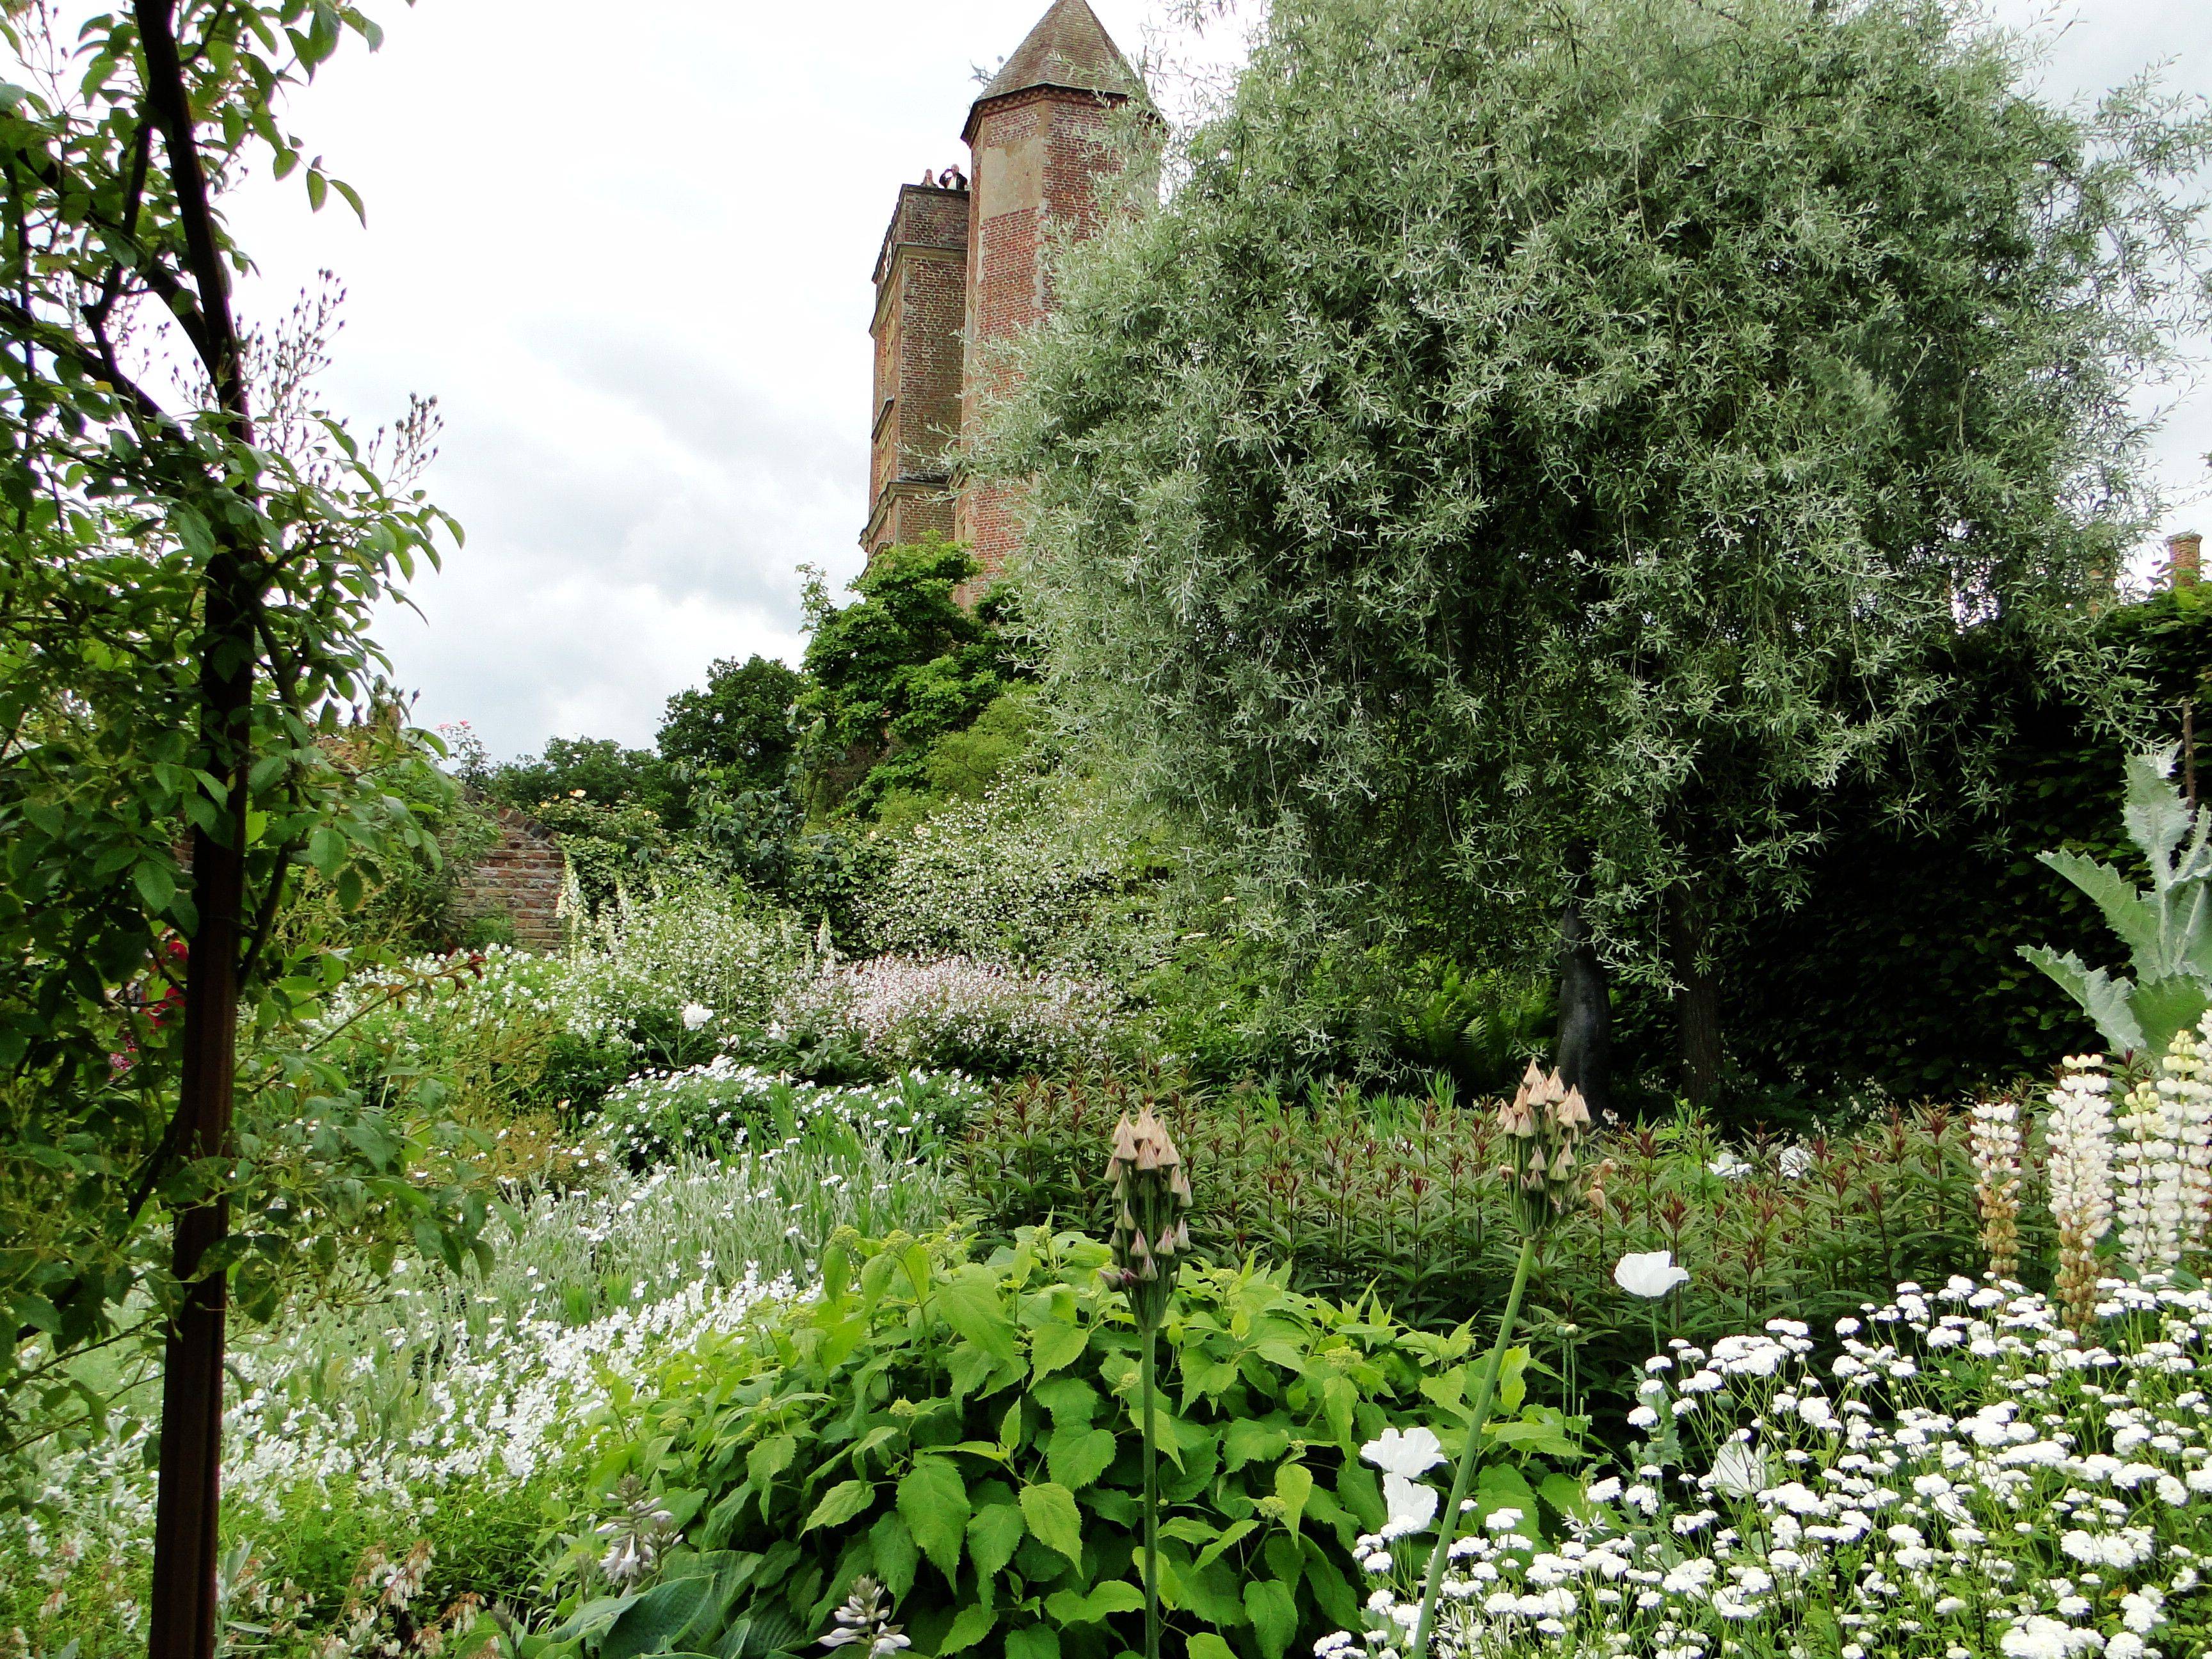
<point>1447,1523</point>
<point>1151,1507</point>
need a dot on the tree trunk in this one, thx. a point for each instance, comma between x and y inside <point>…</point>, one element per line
<point>182,1614</point>
<point>1697,997</point>
<point>1585,1046</point>
<point>181,1622</point>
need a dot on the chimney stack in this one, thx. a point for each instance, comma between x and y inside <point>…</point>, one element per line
<point>2184,552</point>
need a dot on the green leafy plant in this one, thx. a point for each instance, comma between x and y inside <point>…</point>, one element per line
<point>1152,1231</point>
<point>1543,1124</point>
<point>966,1433</point>
<point>2167,929</point>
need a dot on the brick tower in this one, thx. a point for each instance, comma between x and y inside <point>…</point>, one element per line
<point>1037,142</point>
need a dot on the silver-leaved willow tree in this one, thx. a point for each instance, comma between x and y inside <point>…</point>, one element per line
<point>188,555</point>
<point>1535,451</point>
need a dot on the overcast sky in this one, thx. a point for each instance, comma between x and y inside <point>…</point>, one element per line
<point>629,250</point>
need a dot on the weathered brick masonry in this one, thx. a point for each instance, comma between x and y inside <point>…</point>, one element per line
<point>519,877</point>
<point>1037,142</point>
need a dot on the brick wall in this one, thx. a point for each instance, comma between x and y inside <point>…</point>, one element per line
<point>520,878</point>
<point>1037,154</point>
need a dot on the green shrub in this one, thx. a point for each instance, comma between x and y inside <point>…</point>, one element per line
<point>1402,1195</point>
<point>965,1432</point>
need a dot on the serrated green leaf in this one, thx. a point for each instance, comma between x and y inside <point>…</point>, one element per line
<point>1077,1455</point>
<point>1055,1345</point>
<point>1253,1440</point>
<point>969,1302</point>
<point>934,1498</point>
<point>972,1624</point>
<point>993,1533</point>
<point>841,1503</point>
<point>1273,1611</point>
<point>1049,1509</point>
<point>892,1548</point>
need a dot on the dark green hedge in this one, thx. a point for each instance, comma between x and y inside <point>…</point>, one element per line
<point>1901,968</point>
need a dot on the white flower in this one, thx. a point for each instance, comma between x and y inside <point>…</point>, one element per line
<point>1729,1167</point>
<point>1738,1470</point>
<point>695,1015</point>
<point>1652,1274</point>
<point>1412,1453</point>
<point>1412,1505</point>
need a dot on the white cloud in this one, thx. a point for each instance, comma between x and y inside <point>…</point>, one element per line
<point>632,259</point>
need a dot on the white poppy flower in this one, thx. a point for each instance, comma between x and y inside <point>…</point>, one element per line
<point>1653,1273</point>
<point>1411,1453</point>
<point>1412,1505</point>
<point>695,1015</point>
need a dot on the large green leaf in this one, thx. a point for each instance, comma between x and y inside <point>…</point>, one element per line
<point>969,1301</point>
<point>1049,1509</point>
<point>992,1533</point>
<point>2131,914</point>
<point>972,1624</point>
<point>1055,1345</point>
<point>2105,999</point>
<point>2163,1007</point>
<point>1115,1595</point>
<point>1273,1611</point>
<point>1033,1642</point>
<point>1293,1485</point>
<point>661,1621</point>
<point>841,1503</point>
<point>891,1545</point>
<point>1253,1439</point>
<point>1077,1455</point>
<point>934,1498</point>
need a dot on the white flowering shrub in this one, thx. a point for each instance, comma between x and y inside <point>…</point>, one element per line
<point>1968,1480</point>
<point>1040,873</point>
<point>643,962</point>
<point>980,1017</point>
<point>724,1106</point>
<point>490,1000</point>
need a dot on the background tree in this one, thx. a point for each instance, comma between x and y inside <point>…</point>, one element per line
<point>893,672</point>
<point>188,579</point>
<point>1539,452</point>
<point>735,729</point>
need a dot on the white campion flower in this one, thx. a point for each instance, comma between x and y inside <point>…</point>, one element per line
<point>1652,1273</point>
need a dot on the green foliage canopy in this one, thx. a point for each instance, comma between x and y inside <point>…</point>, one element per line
<point>1549,445</point>
<point>735,729</point>
<point>889,674</point>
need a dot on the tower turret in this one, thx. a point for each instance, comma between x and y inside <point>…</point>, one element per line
<point>1038,138</point>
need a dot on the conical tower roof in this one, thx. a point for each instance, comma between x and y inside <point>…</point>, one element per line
<point>1068,48</point>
